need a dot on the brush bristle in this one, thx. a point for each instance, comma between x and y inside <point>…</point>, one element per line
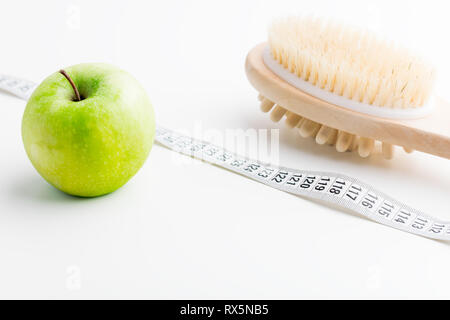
<point>350,63</point>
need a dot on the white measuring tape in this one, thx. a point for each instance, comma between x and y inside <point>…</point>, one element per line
<point>344,191</point>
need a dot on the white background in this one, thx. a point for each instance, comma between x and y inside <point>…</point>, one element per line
<point>193,230</point>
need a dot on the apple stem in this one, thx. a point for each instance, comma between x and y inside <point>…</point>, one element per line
<point>77,94</point>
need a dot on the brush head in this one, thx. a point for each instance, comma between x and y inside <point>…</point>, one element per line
<point>353,64</point>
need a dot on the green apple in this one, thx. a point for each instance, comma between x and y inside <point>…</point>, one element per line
<point>91,145</point>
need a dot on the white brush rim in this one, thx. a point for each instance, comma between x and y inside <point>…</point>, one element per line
<point>382,112</point>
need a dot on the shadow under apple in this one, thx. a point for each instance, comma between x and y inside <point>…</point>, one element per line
<point>35,189</point>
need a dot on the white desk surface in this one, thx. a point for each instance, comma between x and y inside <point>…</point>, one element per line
<point>196,231</point>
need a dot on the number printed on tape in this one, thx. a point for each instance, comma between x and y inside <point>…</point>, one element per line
<point>355,193</point>
<point>438,228</point>
<point>210,151</point>
<point>421,223</point>
<point>404,217</point>
<point>339,187</point>
<point>252,167</point>
<point>309,182</point>
<point>265,173</point>
<point>224,157</point>
<point>323,184</point>
<point>371,201</point>
<point>238,163</point>
<point>280,178</point>
<point>294,180</point>
<point>387,210</point>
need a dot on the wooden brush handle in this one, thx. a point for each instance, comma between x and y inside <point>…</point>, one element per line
<point>430,134</point>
